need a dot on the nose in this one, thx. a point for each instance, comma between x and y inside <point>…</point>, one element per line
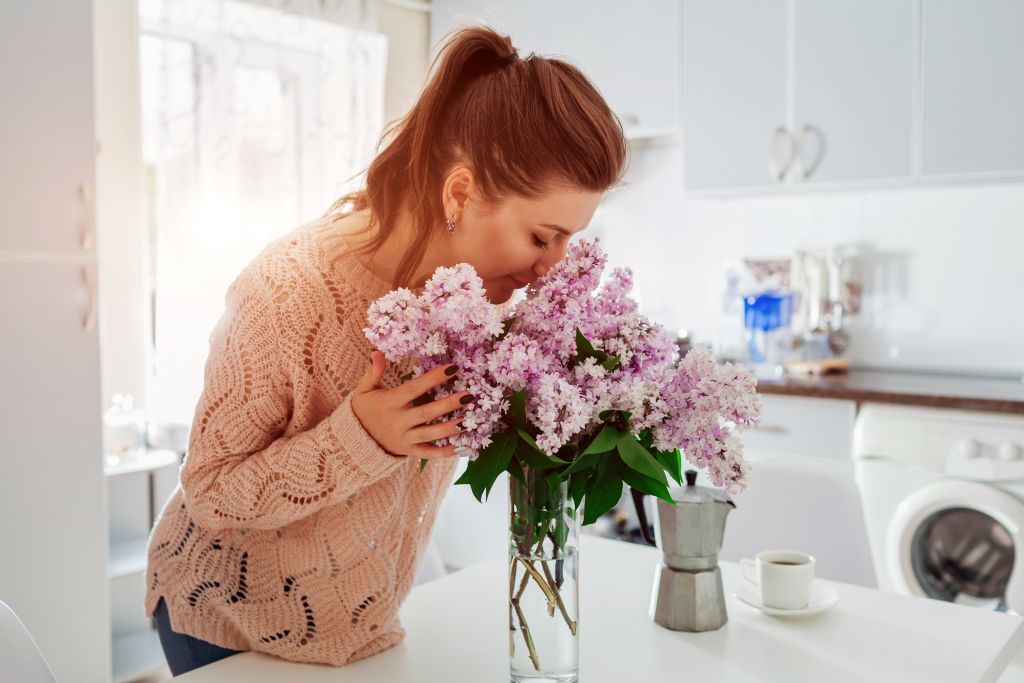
<point>542,266</point>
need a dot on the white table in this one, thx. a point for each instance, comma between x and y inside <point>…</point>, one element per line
<point>457,631</point>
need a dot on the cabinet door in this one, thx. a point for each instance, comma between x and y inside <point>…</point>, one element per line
<point>47,141</point>
<point>853,89</point>
<point>52,492</point>
<point>798,425</point>
<point>734,91</point>
<point>629,51</point>
<point>973,63</point>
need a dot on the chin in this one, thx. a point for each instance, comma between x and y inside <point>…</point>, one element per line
<point>499,297</point>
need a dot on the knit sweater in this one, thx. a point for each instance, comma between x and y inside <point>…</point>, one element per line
<point>292,532</point>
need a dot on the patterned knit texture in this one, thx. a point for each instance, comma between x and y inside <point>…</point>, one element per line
<point>292,532</point>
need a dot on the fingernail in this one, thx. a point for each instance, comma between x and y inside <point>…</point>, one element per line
<point>451,370</point>
<point>467,399</point>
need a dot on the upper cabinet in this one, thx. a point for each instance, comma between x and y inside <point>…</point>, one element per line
<point>734,93</point>
<point>780,93</point>
<point>47,132</point>
<point>630,51</point>
<point>973,88</point>
<point>852,84</point>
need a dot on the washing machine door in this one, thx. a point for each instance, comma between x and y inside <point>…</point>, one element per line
<point>960,541</point>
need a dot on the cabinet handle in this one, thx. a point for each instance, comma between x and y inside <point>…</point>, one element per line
<point>89,323</point>
<point>774,429</point>
<point>90,217</point>
<point>804,170</point>
<point>779,173</point>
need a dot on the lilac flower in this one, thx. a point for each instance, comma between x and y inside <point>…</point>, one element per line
<point>693,404</point>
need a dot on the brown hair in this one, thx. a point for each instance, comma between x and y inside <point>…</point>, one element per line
<point>524,126</point>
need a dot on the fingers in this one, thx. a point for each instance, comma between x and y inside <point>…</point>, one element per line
<point>428,433</point>
<point>429,412</point>
<point>371,378</point>
<point>425,382</point>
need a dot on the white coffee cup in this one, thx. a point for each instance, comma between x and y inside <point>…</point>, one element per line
<point>784,576</point>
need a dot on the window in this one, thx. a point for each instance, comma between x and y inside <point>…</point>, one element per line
<point>253,121</point>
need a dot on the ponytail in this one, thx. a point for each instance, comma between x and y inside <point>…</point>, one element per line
<point>523,127</point>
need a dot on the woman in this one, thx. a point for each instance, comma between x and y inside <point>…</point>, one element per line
<point>302,513</point>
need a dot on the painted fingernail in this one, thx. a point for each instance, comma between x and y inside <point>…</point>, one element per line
<point>467,399</point>
<point>451,370</point>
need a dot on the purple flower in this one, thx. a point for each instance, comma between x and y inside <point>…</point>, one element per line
<point>693,404</point>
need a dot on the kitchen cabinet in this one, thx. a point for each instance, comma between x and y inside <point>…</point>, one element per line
<point>734,93</point>
<point>797,425</point>
<point>853,70</point>
<point>54,568</point>
<point>630,51</point>
<point>973,88</point>
<point>47,140</point>
<point>52,510</point>
<point>790,93</point>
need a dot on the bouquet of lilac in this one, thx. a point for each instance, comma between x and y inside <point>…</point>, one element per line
<point>576,382</point>
<point>576,394</point>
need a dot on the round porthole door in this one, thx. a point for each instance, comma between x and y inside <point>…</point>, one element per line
<point>959,541</point>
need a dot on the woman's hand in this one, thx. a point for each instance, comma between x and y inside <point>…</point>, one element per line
<point>390,417</point>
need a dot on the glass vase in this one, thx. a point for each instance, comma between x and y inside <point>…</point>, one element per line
<point>543,590</point>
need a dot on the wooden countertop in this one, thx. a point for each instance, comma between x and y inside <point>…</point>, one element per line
<point>908,388</point>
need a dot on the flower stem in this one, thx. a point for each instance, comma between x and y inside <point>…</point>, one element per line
<point>558,598</point>
<point>526,635</point>
<point>543,585</point>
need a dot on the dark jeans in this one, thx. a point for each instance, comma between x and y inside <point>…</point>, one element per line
<point>183,652</point>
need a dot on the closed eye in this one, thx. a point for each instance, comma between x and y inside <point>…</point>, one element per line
<point>540,244</point>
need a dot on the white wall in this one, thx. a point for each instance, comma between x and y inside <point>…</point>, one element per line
<point>941,266</point>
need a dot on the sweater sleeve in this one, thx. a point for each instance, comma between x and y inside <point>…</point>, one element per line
<point>240,471</point>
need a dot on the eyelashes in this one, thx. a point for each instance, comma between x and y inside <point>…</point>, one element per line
<point>540,244</point>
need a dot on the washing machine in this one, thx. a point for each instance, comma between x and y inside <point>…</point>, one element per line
<point>943,499</point>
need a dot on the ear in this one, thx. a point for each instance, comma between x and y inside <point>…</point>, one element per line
<point>459,187</point>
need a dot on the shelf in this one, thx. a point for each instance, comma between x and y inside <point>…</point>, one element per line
<point>136,655</point>
<point>127,557</point>
<point>150,459</point>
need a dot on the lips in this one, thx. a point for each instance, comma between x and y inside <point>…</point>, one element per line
<point>518,283</point>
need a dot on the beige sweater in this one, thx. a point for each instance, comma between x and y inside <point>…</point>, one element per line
<point>292,532</point>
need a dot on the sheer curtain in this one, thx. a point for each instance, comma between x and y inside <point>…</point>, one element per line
<point>254,120</point>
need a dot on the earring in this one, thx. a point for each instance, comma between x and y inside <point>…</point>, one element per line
<point>451,223</point>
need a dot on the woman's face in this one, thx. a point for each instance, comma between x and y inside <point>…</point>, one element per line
<point>513,243</point>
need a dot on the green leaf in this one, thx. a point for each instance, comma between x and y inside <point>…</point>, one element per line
<point>472,477</point>
<point>516,470</point>
<point>578,485</point>
<point>603,493</point>
<point>611,363</point>
<point>604,441</point>
<point>554,480</point>
<point>406,377</point>
<point>517,409</point>
<point>672,461</point>
<point>637,458</point>
<point>583,346</point>
<point>423,463</point>
<point>644,484</point>
<point>584,462</point>
<point>606,414</point>
<point>495,458</point>
<point>530,455</point>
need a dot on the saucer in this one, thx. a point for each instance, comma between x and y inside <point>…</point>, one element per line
<point>823,596</point>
